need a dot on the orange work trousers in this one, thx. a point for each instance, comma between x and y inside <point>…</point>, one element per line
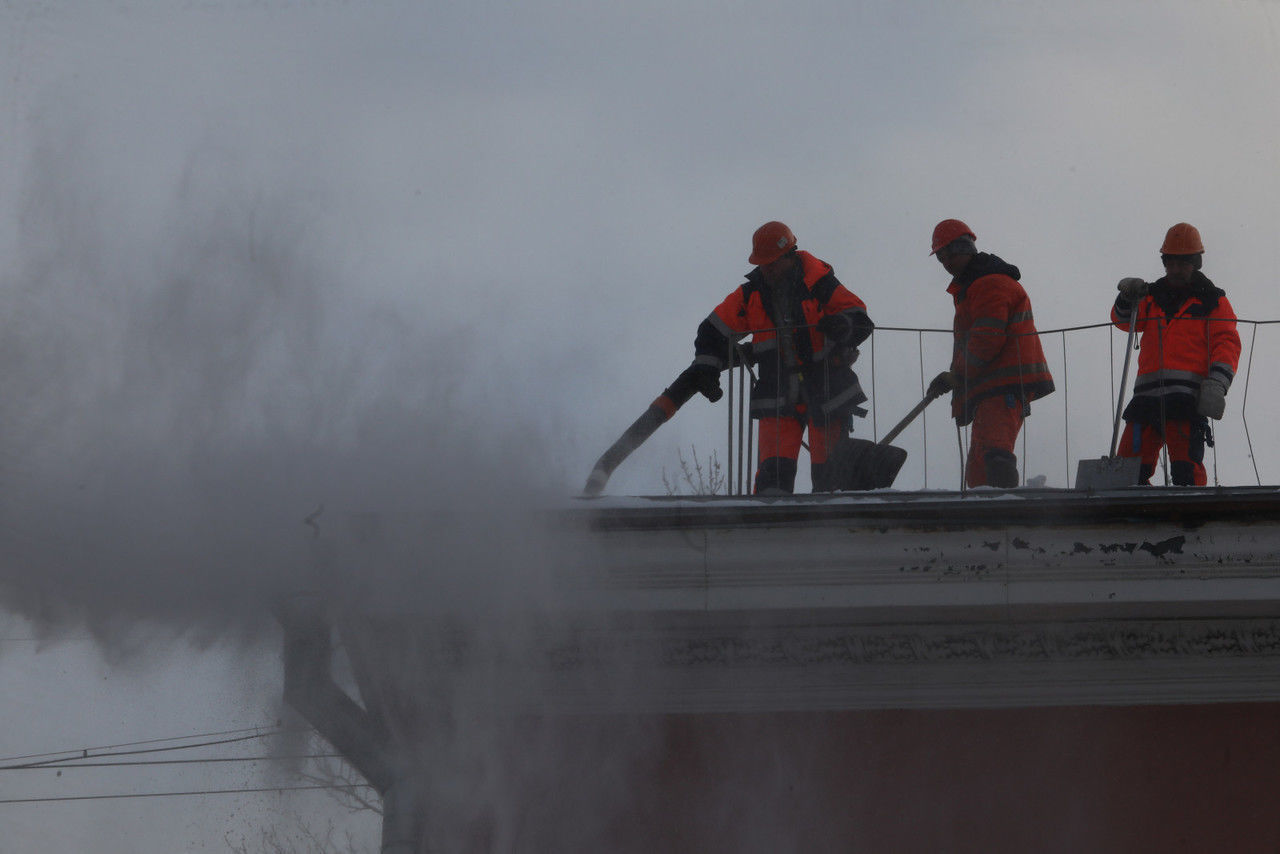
<point>996,424</point>
<point>1185,440</point>
<point>780,449</point>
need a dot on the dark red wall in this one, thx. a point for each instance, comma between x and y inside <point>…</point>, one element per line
<point>1125,779</point>
<point>1096,779</point>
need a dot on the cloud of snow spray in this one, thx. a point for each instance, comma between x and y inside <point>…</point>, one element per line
<point>179,403</point>
<point>205,415</point>
<point>196,411</point>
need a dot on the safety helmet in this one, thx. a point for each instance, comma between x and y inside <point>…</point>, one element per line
<point>949,230</point>
<point>770,242</point>
<point>1182,239</point>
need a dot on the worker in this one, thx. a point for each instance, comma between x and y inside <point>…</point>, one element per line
<point>1189,350</point>
<point>805,328</point>
<point>998,366</point>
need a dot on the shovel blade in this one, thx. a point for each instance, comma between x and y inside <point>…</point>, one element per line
<point>862,464</point>
<point>1107,473</point>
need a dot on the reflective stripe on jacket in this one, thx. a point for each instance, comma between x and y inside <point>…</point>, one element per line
<point>1185,337</point>
<point>800,366</point>
<point>996,348</point>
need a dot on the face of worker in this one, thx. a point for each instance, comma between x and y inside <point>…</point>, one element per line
<point>953,261</point>
<point>1178,269</point>
<point>779,270</point>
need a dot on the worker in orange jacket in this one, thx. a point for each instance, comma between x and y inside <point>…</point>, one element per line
<point>805,327</point>
<point>997,366</point>
<point>1189,352</point>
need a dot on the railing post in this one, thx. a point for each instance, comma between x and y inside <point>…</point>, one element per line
<point>728,482</point>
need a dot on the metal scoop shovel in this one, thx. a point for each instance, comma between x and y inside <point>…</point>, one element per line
<point>1111,471</point>
<point>863,464</point>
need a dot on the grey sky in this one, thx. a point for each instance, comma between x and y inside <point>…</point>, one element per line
<point>264,256</point>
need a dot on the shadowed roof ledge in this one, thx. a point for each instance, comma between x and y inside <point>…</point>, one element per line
<point>904,600</point>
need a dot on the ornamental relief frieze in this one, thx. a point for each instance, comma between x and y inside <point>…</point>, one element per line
<point>1093,642</point>
<point>854,557</point>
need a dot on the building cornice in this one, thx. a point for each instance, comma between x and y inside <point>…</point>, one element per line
<point>913,600</point>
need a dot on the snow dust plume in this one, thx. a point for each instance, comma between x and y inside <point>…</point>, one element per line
<point>190,391</point>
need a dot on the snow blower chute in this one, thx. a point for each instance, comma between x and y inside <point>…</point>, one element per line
<point>675,396</point>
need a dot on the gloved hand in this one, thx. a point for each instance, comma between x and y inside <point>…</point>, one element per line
<point>707,380</point>
<point>836,327</point>
<point>943,383</point>
<point>1132,289</point>
<point>1212,401</point>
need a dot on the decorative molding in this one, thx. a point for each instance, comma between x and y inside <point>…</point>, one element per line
<point>1152,596</point>
<point>1091,641</point>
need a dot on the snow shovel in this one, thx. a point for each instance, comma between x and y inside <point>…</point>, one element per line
<point>1111,471</point>
<point>659,412</point>
<point>863,464</point>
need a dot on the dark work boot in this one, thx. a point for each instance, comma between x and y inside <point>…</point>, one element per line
<point>1182,473</point>
<point>821,474</point>
<point>1002,468</point>
<point>776,475</point>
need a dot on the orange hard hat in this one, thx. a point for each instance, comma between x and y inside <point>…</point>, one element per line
<point>770,242</point>
<point>949,230</point>
<point>1182,239</point>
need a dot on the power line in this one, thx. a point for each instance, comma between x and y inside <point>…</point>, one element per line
<point>51,767</point>
<point>84,751</point>
<point>64,798</point>
<point>53,763</point>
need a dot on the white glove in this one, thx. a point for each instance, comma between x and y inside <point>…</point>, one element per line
<point>1132,289</point>
<point>1212,401</point>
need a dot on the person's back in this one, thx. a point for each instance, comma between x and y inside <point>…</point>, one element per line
<point>998,365</point>
<point>997,345</point>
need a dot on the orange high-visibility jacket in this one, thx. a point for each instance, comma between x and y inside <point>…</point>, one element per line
<point>996,350</point>
<point>802,366</point>
<point>1186,337</point>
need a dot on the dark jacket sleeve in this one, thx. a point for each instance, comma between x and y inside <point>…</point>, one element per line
<point>842,302</point>
<point>727,323</point>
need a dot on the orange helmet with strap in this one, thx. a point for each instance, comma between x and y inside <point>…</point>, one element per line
<point>770,242</point>
<point>1182,239</point>
<point>949,230</point>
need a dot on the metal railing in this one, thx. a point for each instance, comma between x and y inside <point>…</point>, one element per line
<point>896,364</point>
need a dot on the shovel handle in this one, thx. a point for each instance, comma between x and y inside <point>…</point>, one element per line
<point>1124,378</point>
<point>910,416</point>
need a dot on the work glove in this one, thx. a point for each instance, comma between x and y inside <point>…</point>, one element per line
<point>706,379</point>
<point>943,383</point>
<point>1132,289</point>
<point>836,327</point>
<point>1212,401</point>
